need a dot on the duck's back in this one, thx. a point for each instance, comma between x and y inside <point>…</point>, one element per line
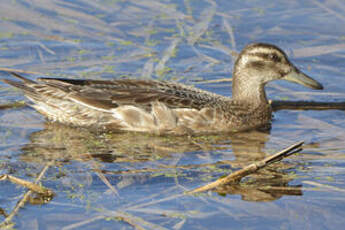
<point>141,93</point>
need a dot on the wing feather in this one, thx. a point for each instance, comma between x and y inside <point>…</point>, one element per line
<point>106,95</point>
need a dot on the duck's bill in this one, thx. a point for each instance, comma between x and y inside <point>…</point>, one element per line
<point>302,79</point>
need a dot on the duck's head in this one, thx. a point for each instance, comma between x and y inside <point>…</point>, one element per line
<point>260,63</point>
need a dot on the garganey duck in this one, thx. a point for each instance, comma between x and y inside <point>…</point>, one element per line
<point>167,107</point>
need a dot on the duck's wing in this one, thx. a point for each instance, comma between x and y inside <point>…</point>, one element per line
<point>106,95</point>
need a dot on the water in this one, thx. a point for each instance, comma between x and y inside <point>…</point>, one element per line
<point>123,181</point>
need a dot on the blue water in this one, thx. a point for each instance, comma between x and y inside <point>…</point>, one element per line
<point>111,39</point>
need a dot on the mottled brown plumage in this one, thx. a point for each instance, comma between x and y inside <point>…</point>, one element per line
<point>166,107</point>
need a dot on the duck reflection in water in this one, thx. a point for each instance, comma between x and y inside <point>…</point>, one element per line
<point>62,144</point>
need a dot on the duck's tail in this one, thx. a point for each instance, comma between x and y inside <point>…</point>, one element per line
<point>25,84</point>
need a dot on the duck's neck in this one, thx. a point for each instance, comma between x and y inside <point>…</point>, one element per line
<point>249,91</point>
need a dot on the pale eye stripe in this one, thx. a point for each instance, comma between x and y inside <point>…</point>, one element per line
<point>252,58</point>
<point>262,50</point>
<point>267,56</point>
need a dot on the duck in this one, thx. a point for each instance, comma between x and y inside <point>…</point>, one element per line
<point>163,107</point>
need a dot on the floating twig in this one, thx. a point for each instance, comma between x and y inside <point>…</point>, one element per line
<point>19,71</point>
<point>26,196</point>
<point>306,105</point>
<point>16,104</point>
<point>235,177</point>
<point>32,186</point>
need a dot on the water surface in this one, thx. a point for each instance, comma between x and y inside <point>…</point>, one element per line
<point>126,181</point>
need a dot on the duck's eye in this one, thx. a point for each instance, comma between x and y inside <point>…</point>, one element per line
<point>274,57</point>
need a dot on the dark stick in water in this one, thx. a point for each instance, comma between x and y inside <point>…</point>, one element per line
<point>236,176</point>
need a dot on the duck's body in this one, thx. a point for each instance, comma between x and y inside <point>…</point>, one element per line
<point>167,107</point>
